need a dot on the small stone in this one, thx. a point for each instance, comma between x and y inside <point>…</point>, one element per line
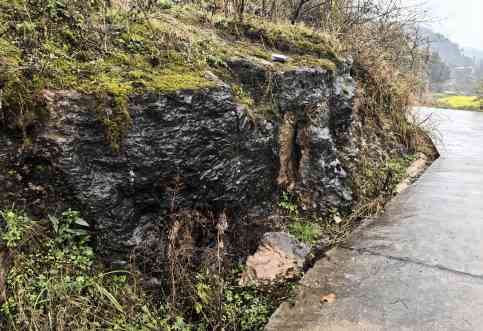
<point>337,219</point>
<point>329,298</point>
<point>279,58</point>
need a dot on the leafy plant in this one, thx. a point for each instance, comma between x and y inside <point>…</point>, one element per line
<point>17,225</point>
<point>57,278</point>
<point>288,203</point>
<point>245,308</point>
<point>307,232</point>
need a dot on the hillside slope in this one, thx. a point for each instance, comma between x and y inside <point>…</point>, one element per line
<point>180,141</point>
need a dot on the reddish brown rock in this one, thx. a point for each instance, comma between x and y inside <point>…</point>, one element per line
<point>279,257</point>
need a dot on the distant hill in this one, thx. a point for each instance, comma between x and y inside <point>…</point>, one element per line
<point>453,68</point>
<point>450,52</point>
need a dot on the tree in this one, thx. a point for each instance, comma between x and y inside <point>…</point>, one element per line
<point>439,71</point>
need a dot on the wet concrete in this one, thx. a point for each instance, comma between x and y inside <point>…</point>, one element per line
<point>420,265</point>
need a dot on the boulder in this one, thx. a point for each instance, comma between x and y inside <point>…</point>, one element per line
<point>279,257</point>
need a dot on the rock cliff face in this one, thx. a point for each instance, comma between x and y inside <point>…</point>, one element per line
<point>198,150</point>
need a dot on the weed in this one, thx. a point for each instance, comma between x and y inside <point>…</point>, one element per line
<point>16,226</point>
<point>55,282</point>
<point>304,231</point>
<point>288,203</point>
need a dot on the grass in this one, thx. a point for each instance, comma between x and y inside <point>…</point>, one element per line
<point>55,283</point>
<point>460,102</point>
<point>305,231</point>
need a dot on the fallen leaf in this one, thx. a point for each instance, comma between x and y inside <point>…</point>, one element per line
<point>328,298</point>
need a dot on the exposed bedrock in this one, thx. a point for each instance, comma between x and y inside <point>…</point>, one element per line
<point>200,150</point>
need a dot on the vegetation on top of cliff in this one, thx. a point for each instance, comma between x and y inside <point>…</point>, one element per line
<point>298,39</point>
<point>113,52</point>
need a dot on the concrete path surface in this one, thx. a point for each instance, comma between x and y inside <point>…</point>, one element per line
<point>420,265</point>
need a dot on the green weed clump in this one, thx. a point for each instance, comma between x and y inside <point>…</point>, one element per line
<point>54,282</point>
<point>305,229</point>
<point>244,308</point>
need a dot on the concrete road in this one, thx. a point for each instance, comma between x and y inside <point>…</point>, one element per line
<point>420,265</point>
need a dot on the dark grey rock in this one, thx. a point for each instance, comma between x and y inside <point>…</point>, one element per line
<point>186,150</point>
<point>199,150</point>
<point>322,112</point>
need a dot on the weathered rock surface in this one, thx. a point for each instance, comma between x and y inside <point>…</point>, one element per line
<point>199,150</point>
<point>315,106</point>
<point>188,150</point>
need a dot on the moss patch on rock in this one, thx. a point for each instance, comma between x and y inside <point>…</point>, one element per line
<point>112,53</point>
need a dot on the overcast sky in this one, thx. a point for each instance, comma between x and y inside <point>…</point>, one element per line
<point>460,20</point>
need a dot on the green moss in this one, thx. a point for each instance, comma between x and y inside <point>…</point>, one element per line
<point>313,62</point>
<point>163,54</point>
<point>9,53</point>
<point>169,81</point>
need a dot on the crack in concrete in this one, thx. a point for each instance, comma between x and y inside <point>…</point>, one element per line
<point>417,262</point>
<point>400,259</point>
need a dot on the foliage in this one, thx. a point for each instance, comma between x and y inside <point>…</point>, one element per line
<point>288,203</point>
<point>305,231</point>
<point>235,307</point>
<point>439,71</point>
<point>297,38</point>
<point>246,309</point>
<point>303,228</point>
<point>55,283</point>
<point>395,171</point>
<point>16,226</point>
